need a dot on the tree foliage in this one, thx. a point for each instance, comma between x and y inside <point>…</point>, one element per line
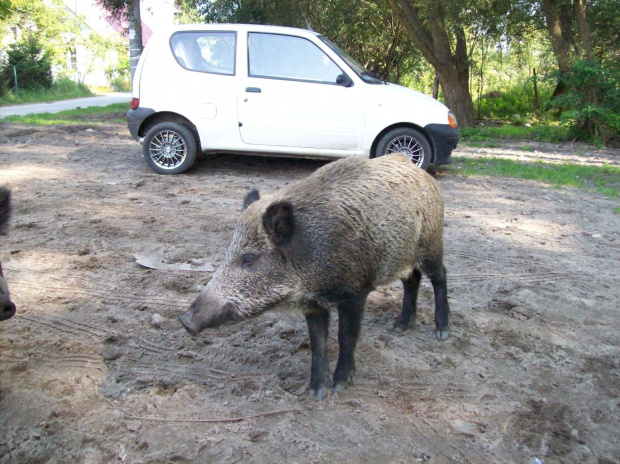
<point>591,103</point>
<point>129,10</point>
<point>30,62</point>
<point>49,22</point>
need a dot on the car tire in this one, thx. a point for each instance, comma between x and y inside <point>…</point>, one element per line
<point>408,141</point>
<point>169,148</point>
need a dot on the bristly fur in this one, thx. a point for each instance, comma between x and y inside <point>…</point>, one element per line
<point>322,245</point>
<point>5,208</point>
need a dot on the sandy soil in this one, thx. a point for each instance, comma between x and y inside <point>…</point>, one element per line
<point>96,368</point>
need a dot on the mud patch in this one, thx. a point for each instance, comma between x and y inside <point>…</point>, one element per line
<point>95,367</point>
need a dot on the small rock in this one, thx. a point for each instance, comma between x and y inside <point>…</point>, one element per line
<point>134,425</point>
<point>90,130</point>
<point>465,428</point>
<point>112,354</point>
<point>596,235</point>
<point>157,320</point>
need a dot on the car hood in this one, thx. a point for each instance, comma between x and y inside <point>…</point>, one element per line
<point>410,93</point>
<point>403,104</point>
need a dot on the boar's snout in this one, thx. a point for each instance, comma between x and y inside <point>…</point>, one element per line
<point>202,315</point>
<point>7,309</point>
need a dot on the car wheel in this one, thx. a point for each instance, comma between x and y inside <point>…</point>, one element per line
<point>408,141</point>
<point>169,148</point>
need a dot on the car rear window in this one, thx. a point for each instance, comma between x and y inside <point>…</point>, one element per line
<point>211,52</point>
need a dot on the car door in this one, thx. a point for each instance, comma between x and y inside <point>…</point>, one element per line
<point>294,96</point>
<point>198,80</point>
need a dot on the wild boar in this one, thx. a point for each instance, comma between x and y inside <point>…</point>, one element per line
<point>323,244</point>
<point>7,307</point>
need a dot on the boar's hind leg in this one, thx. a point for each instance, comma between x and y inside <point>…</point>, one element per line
<point>318,325</point>
<point>437,274</point>
<point>410,296</point>
<point>350,312</point>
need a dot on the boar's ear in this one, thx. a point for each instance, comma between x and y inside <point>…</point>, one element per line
<point>5,208</point>
<point>250,198</point>
<point>279,222</point>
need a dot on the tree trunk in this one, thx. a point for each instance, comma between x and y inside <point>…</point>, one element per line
<point>458,98</point>
<point>584,28</point>
<point>432,39</point>
<point>554,27</point>
<point>135,34</point>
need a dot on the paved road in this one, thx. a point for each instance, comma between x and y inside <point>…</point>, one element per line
<point>55,107</point>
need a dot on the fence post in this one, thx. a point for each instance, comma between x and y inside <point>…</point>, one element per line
<point>15,75</point>
<point>535,90</point>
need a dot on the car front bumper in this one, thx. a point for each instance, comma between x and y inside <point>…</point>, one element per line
<point>135,118</point>
<point>444,139</point>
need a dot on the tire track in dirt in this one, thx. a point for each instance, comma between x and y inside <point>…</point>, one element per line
<point>98,289</point>
<point>92,287</point>
<point>65,325</point>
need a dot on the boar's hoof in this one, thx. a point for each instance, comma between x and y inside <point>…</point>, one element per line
<point>442,335</point>
<point>400,328</point>
<point>188,325</point>
<point>319,395</point>
<point>340,386</point>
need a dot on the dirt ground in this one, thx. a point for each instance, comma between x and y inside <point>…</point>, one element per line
<point>96,368</point>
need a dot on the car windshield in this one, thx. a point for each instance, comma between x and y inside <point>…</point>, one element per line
<point>361,71</point>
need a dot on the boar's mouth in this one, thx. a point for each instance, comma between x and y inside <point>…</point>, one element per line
<point>195,321</point>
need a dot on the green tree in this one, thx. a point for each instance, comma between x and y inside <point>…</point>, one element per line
<point>30,62</point>
<point>438,29</point>
<point>591,104</point>
<point>128,10</point>
<point>49,22</point>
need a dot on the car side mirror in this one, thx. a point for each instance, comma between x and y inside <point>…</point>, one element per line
<point>344,80</point>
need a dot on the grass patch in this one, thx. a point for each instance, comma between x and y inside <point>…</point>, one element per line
<point>603,179</point>
<point>484,144</point>
<point>114,113</point>
<point>617,210</point>
<point>62,89</point>
<point>535,133</point>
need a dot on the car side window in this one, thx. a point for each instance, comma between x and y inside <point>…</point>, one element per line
<point>212,52</point>
<point>288,57</point>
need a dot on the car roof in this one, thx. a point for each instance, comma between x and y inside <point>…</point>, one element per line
<point>241,28</point>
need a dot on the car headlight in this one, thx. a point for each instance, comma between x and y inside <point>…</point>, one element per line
<point>452,120</point>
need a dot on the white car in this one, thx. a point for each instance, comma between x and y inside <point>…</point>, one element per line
<point>274,91</point>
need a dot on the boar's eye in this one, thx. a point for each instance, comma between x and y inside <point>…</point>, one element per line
<point>248,260</point>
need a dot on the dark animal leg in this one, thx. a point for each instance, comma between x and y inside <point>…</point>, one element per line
<point>410,297</point>
<point>318,325</point>
<point>437,274</point>
<point>350,312</point>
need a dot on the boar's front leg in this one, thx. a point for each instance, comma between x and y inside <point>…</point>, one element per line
<point>318,325</point>
<point>350,312</point>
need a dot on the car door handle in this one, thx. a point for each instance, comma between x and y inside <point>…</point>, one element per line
<point>253,89</point>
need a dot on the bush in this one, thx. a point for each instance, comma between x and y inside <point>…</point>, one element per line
<point>591,104</point>
<point>62,89</point>
<point>120,84</point>
<point>515,103</point>
<point>32,64</point>
<point>66,85</point>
